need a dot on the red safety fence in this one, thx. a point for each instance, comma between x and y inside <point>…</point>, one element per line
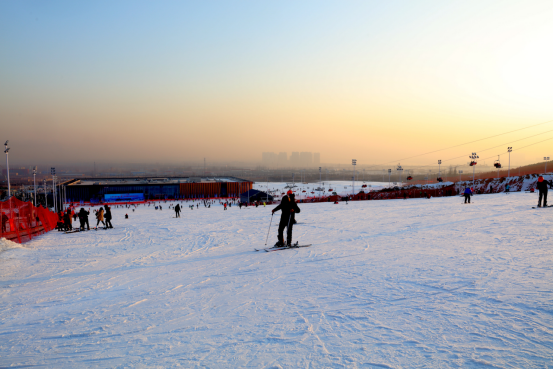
<point>21,221</point>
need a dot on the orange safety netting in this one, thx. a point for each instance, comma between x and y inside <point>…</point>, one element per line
<point>21,221</point>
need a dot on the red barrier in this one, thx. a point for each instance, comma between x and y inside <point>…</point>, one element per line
<point>21,221</point>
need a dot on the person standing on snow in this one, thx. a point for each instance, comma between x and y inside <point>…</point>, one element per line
<point>100,217</point>
<point>83,219</point>
<point>467,195</point>
<point>542,186</point>
<point>177,211</point>
<point>108,216</point>
<point>288,208</point>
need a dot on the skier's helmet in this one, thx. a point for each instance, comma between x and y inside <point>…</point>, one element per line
<point>541,179</point>
<point>289,192</point>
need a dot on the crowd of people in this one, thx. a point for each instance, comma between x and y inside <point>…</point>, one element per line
<point>288,207</point>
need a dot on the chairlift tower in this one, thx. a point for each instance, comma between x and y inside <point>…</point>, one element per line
<point>509,157</point>
<point>320,175</point>
<point>7,149</point>
<point>440,161</point>
<point>546,159</point>
<point>473,163</point>
<point>399,169</point>
<point>390,171</point>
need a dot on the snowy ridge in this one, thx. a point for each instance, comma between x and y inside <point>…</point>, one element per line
<point>517,183</point>
<point>399,283</point>
<point>7,245</point>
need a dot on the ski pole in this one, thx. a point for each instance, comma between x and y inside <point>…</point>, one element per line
<point>269,229</point>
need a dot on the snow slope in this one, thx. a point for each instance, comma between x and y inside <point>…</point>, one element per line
<point>342,188</point>
<point>393,284</point>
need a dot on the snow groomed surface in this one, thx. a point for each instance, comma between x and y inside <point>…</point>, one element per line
<point>394,284</point>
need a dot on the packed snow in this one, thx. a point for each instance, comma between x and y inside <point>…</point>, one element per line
<point>387,284</point>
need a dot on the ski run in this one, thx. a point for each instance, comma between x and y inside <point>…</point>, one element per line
<point>417,283</point>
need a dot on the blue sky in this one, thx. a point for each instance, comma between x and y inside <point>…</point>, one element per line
<point>312,67</point>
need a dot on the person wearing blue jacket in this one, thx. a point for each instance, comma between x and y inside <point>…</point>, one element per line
<point>467,195</point>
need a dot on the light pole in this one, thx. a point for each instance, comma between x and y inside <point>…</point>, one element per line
<point>320,175</point>
<point>473,163</point>
<point>460,172</point>
<point>45,195</point>
<point>390,171</point>
<point>399,169</point>
<point>509,154</point>
<point>440,161</point>
<point>353,174</point>
<point>53,173</point>
<point>35,184</point>
<point>546,159</point>
<point>7,168</point>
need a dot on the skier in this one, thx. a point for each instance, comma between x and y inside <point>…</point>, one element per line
<point>467,195</point>
<point>224,206</point>
<point>507,187</point>
<point>177,211</point>
<point>100,217</point>
<point>542,186</point>
<point>83,219</point>
<point>67,221</point>
<point>288,208</point>
<point>108,216</point>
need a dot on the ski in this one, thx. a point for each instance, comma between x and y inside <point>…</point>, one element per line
<point>542,207</point>
<point>269,249</point>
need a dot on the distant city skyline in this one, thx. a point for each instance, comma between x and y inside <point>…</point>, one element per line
<point>297,159</point>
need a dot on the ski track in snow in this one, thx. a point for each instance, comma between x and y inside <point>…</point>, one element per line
<point>386,284</point>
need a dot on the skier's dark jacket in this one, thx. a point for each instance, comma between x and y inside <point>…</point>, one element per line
<point>287,204</point>
<point>107,213</point>
<point>83,214</point>
<point>542,186</point>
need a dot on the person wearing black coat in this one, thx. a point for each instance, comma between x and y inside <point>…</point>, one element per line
<point>108,216</point>
<point>83,219</point>
<point>67,220</point>
<point>542,186</point>
<point>288,208</point>
<point>177,211</point>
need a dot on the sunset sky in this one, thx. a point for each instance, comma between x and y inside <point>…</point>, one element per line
<point>173,81</point>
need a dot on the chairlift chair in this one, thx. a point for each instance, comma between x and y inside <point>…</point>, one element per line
<point>410,178</point>
<point>472,163</point>
<point>497,164</point>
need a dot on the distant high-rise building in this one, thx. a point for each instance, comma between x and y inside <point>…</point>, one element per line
<point>306,159</point>
<point>295,158</point>
<point>269,158</point>
<point>317,159</point>
<point>282,159</point>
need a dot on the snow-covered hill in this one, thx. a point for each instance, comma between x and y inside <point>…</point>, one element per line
<point>394,284</point>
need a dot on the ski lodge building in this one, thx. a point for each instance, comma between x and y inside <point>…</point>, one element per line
<point>152,188</point>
